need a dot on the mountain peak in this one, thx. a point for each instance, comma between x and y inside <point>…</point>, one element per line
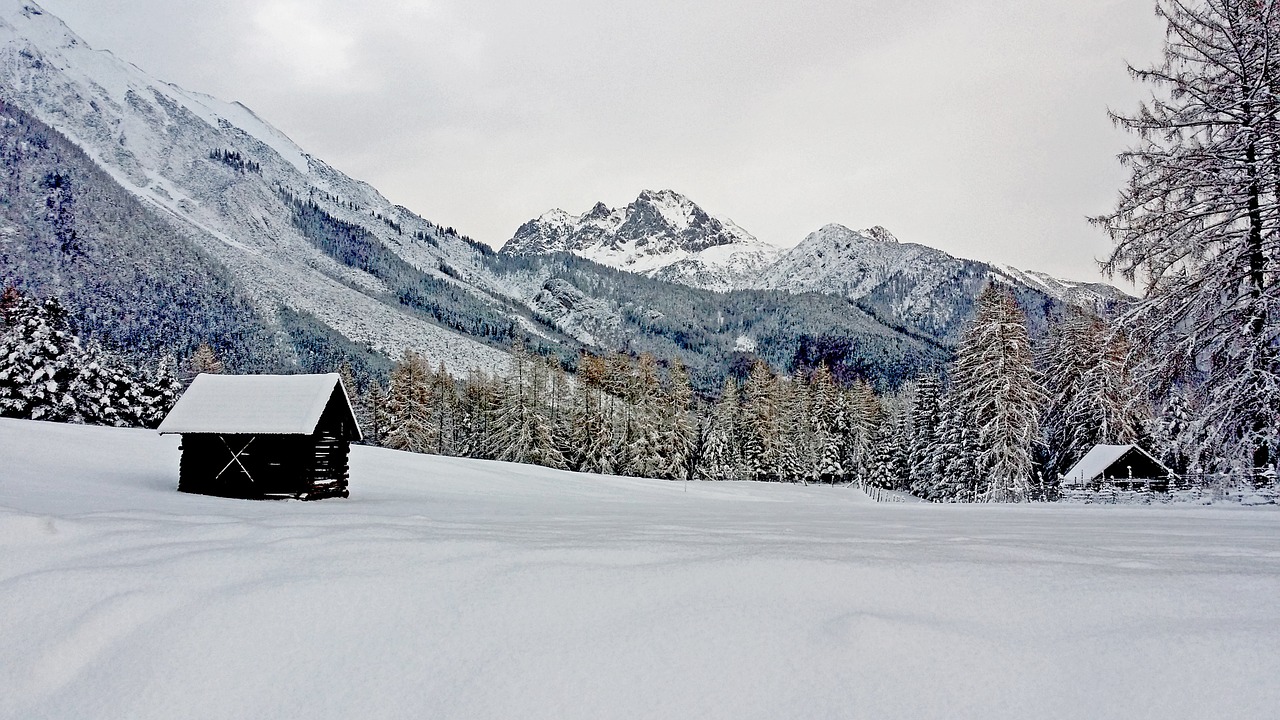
<point>878,232</point>
<point>660,232</point>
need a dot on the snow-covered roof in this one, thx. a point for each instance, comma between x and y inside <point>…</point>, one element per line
<point>1096,461</point>
<point>254,404</point>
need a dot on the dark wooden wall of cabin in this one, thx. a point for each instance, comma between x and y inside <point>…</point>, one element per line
<point>302,466</point>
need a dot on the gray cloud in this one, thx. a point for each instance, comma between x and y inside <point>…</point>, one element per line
<point>977,127</point>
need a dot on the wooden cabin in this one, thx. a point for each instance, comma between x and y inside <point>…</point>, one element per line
<point>264,436</point>
<point>1124,466</point>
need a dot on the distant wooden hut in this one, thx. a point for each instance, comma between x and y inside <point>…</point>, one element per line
<point>264,436</point>
<point>1125,466</point>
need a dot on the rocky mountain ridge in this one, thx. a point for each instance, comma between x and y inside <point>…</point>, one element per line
<point>904,284</point>
<point>661,234</point>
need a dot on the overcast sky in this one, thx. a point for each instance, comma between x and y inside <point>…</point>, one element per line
<point>975,126</point>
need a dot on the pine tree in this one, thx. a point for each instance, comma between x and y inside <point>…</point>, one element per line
<point>158,392</point>
<point>589,440</point>
<point>721,459</point>
<point>1173,433</point>
<point>862,409</point>
<point>1198,223</point>
<point>40,363</point>
<point>645,453</point>
<point>954,460</point>
<point>407,408</point>
<point>443,401</point>
<point>522,430</point>
<point>760,424</point>
<point>996,398</point>
<point>830,427</point>
<point>926,424</point>
<point>203,360</point>
<point>475,420</point>
<point>797,442</point>
<point>678,432</point>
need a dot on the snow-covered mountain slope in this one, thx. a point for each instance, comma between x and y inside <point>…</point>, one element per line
<point>453,588</point>
<point>248,196</point>
<point>908,284</point>
<point>661,234</point>
<point>914,286</point>
<point>1100,297</point>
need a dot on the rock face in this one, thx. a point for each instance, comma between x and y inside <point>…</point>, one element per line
<point>661,234</point>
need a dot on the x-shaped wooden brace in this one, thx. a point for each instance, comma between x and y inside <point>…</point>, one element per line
<point>235,458</point>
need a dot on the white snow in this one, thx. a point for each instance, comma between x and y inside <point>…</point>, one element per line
<point>268,404</point>
<point>469,589</point>
<point>665,253</point>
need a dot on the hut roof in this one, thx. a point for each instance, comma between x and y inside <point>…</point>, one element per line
<point>1096,461</point>
<point>255,404</point>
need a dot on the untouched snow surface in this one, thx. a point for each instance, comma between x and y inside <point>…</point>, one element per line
<point>449,588</point>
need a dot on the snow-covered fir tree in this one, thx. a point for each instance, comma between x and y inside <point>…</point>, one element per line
<point>40,359</point>
<point>1173,433</point>
<point>1198,223</point>
<point>830,427</point>
<point>926,424</point>
<point>678,429</point>
<point>760,424</point>
<point>589,442</point>
<point>643,439</point>
<point>862,408</point>
<point>722,457</point>
<point>46,373</point>
<point>522,427</point>
<point>798,440</point>
<point>996,397</point>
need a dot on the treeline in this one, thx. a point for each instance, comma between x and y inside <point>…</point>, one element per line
<point>1008,419</point>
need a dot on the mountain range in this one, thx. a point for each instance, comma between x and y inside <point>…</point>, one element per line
<point>666,235</point>
<point>165,218</point>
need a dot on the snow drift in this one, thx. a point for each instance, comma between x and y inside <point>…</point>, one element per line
<point>470,589</point>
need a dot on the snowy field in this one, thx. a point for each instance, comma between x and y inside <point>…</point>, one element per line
<point>449,588</point>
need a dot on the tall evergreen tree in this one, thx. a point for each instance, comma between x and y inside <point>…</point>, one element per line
<point>926,424</point>
<point>997,396</point>
<point>760,424</point>
<point>678,430</point>
<point>522,427</point>
<point>722,459</point>
<point>831,426</point>
<point>1198,223</point>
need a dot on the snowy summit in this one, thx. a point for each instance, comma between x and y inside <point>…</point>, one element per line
<point>661,234</point>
